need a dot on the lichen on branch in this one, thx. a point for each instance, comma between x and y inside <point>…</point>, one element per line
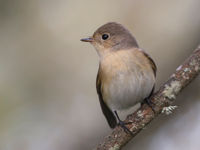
<point>164,97</point>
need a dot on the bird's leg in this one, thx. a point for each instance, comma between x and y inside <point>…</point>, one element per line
<point>149,103</point>
<point>123,124</point>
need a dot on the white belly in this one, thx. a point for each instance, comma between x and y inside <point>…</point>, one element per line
<point>127,78</point>
<point>127,89</point>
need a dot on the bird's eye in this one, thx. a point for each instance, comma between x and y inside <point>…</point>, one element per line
<point>105,36</point>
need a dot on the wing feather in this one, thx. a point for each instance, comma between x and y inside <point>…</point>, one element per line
<point>153,65</point>
<point>110,117</point>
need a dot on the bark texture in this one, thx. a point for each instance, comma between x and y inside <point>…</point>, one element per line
<point>164,97</point>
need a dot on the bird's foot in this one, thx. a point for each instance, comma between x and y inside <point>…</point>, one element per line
<point>123,125</point>
<point>149,103</point>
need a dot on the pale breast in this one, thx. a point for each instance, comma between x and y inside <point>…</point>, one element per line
<point>127,78</point>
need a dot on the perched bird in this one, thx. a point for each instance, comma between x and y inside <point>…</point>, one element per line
<point>126,73</point>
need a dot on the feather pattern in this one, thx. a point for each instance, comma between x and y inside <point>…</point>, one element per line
<point>127,77</point>
<point>153,65</point>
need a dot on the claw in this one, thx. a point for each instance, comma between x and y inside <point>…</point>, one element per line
<point>149,103</point>
<point>123,124</point>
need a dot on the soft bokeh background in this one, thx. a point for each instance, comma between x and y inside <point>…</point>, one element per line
<point>48,99</point>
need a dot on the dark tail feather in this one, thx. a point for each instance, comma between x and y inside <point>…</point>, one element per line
<point>110,117</point>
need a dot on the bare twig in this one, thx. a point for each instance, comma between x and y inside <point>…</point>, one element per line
<point>165,96</point>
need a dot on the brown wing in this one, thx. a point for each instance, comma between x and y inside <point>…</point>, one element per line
<point>153,65</point>
<point>106,111</point>
<point>154,68</point>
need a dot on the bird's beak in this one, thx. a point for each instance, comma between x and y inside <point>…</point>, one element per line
<point>89,39</point>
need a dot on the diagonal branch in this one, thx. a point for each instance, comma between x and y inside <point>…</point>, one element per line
<point>165,96</point>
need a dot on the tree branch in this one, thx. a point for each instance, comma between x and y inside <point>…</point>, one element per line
<point>165,96</point>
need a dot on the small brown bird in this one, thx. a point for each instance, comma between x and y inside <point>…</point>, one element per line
<point>126,73</point>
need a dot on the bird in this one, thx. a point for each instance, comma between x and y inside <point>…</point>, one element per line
<point>126,74</point>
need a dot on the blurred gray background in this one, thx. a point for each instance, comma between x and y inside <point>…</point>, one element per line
<point>48,99</point>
